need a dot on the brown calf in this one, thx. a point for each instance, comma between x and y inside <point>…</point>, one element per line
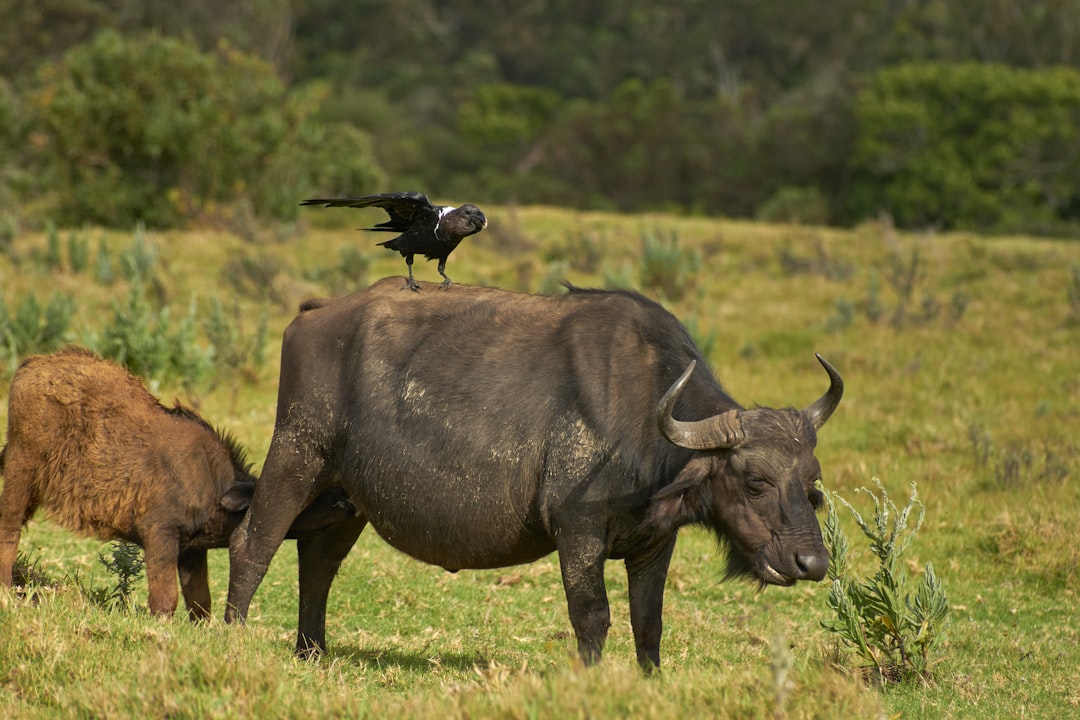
<point>88,443</point>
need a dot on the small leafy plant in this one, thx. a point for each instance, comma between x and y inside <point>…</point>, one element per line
<point>666,266</point>
<point>125,563</point>
<point>104,274</point>
<point>27,573</point>
<point>145,339</point>
<point>32,328</point>
<point>878,617</point>
<point>235,351</point>
<point>1020,465</point>
<point>1072,292</point>
<point>78,249</point>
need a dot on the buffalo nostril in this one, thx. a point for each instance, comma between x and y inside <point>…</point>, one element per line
<point>812,567</point>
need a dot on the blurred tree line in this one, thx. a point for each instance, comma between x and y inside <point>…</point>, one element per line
<point>943,113</point>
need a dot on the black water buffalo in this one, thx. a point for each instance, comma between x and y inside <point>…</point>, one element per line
<point>485,428</point>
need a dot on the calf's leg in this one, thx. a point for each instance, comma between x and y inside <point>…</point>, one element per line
<point>195,584</point>
<point>320,557</point>
<point>16,507</point>
<point>162,547</point>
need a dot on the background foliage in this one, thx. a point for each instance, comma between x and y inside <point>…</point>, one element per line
<point>153,128</point>
<point>947,114</point>
<point>969,146</point>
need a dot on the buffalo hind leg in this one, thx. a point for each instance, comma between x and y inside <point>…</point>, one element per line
<point>286,487</point>
<point>581,560</point>
<point>646,575</point>
<point>195,584</point>
<point>9,550</point>
<point>162,547</point>
<point>320,555</point>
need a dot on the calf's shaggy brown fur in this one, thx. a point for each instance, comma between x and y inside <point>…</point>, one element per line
<point>89,443</point>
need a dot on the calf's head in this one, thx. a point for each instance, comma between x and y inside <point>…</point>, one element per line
<point>753,480</point>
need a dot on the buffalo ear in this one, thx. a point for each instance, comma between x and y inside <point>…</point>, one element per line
<point>238,497</point>
<point>683,501</point>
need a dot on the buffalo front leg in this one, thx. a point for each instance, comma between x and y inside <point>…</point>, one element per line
<point>320,557</point>
<point>195,584</point>
<point>162,547</point>
<point>581,560</point>
<point>285,488</point>
<point>15,508</point>
<point>646,575</point>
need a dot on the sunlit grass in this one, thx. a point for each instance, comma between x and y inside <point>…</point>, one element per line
<point>974,394</point>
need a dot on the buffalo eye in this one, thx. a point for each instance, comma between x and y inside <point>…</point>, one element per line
<point>816,496</point>
<point>756,485</point>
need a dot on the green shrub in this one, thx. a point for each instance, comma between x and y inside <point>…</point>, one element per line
<point>312,158</point>
<point>842,317</point>
<point>27,573</point>
<point>33,329</point>
<point>78,249</point>
<point>505,119</point>
<point>14,131</point>
<point>255,276</point>
<point>9,230</point>
<point>1072,294</point>
<point>911,302</point>
<point>1020,466</point>
<point>802,205</point>
<point>104,274</point>
<point>232,351</point>
<point>620,277</point>
<point>969,146</point>
<point>554,278</point>
<point>580,250</point>
<point>498,128</point>
<point>141,334</point>
<point>705,342</point>
<point>819,263</point>
<point>137,263</point>
<point>125,563</point>
<point>878,617</point>
<point>348,274</point>
<point>144,339</point>
<point>665,266</point>
<point>54,328</point>
<point>52,248</point>
<point>151,128</point>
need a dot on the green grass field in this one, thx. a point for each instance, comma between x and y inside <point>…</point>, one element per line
<point>961,359</point>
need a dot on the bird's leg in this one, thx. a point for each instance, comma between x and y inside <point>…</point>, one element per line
<point>446,278</point>
<point>410,283</point>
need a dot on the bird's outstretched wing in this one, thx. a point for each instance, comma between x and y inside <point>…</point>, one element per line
<point>406,209</point>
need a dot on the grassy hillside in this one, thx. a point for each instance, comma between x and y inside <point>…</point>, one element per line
<point>961,357</point>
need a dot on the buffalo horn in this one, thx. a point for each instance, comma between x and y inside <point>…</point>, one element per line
<point>823,407</point>
<point>720,431</point>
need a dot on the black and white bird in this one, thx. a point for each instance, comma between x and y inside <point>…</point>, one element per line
<point>430,230</point>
